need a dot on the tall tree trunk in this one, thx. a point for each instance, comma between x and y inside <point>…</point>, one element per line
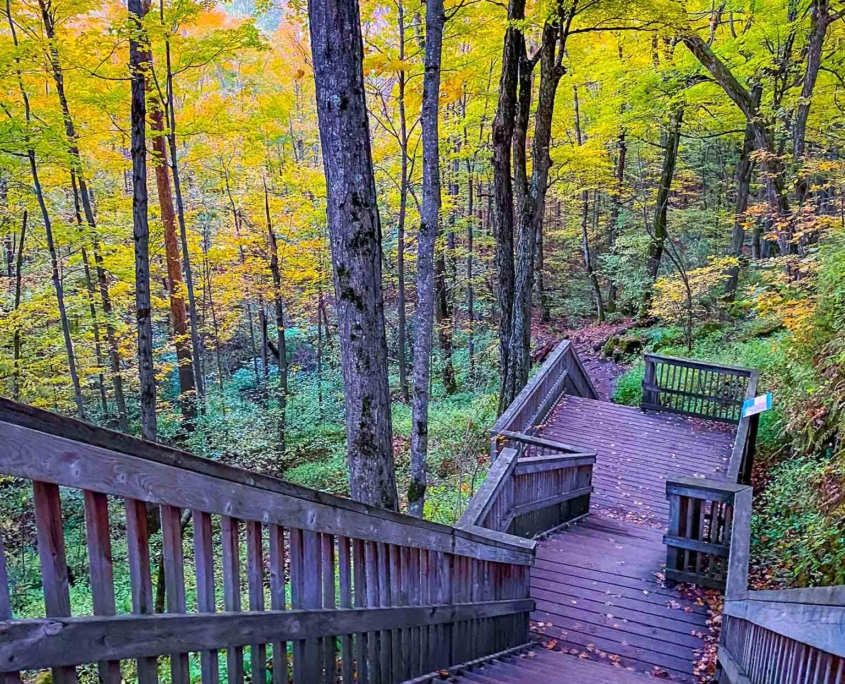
<point>355,235</point>
<point>403,209</point>
<point>95,324</point>
<point>16,343</point>
<point>48,228</point>
<point>83,196</point>
<point>585,212</point>
<point>443,318</point>
<point>551,51</point>
<point>615,208</point>
<point>278,304</point>
<point>139,67</point>
<point>659,228</point>
<point>503,198</point>
<point>196,340</point>
<point>426,268</point>
<point>744,170</point>
<point>819,21</point>
<point>178,313</point>
<point>470,295</point>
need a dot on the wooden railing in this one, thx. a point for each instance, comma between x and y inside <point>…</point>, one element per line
<point>702,515</point>
<point>789,637</point>
<point>560,373</point>
<point>314,588</point>
<point>768,637</point>
<point>529,495</point>
<point>695,388</point>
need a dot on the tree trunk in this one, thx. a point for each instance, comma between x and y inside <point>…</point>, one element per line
<point>178,313</point>
<point>819,21</point>
<point>443,318</point>
<point>82,195</point>
<point>95,324</point>
<point>139,67</point>
<point>551,52</point>
<point>470,296</point>
<point>615,207</point>
<point>660,226</point>
<point>16,375</point>
<point>429,218</point>
<point>744,170</point>
<point>585,213</point>
<point>278,304</point>
<point>196,340</point>
<point>503,198</point>
<point>403,208</point>
<point>355,236</point>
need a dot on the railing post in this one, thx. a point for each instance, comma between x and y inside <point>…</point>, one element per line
<point>740,546</point>
<point>650,397</point>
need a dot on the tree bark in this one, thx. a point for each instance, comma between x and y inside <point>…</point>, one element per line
<point>585,213</point>
<point>403,211</point>
<point>615,208</point>
<point>279,308</point>
<point>503,197</point>
<point>426,269</point>
<point>819,21</point>
<point>660,227</point>
<point>16,343</point>
<point>82,195</point>
<point>551,51</point>
<point>355,236</point>
<point>178,313</point>
<point>744,170</point>
<point>196,339</point>
<point>139,67</point>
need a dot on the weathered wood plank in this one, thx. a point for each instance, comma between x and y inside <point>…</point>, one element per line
<point>98,541</point>
<point>62,642</point>
<point>174,581</point>
<point>6,609</point>
<point>542,464</point>
<point>255,582</point>
<point>204,564</point>
<point>278,599</point>
<point>54,568</point>
<point>138,547</point>
<point>230,538</point>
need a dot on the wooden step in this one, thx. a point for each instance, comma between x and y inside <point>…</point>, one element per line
<point>552,667</point>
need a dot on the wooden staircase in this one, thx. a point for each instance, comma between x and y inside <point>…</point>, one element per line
<point>541,666</point>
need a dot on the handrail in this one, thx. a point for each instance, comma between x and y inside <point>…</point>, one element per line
<point>404,596</point>
<point>561,371</point>
<point>742,454</point>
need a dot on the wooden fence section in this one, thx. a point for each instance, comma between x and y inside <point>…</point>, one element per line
<point>314,588</point>
<point>701,519</point>
<point>695,388</point>
<point>561,372</point>
<point>787,636</point>
<point>529,495</point>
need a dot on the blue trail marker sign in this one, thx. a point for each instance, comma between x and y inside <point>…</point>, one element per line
<point>757,405</point>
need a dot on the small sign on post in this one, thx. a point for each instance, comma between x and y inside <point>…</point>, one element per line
<point>756,405</point>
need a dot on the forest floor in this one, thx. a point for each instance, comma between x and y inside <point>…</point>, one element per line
<point>588,338</point>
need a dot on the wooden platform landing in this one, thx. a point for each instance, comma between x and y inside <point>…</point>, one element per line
<point>599,585</point>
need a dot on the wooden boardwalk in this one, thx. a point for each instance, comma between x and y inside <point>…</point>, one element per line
<point>599,584</point>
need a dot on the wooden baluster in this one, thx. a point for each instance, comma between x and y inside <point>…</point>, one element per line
<point>344,571</point>
<point>311,599</point>
<point>6,609</point>
<point>98,540</point>
<point>411,587</point>
<point>204,562</point>
<point>51,552</point>
<point>297,591</point>
<point>374,639</point>
<point>426,599</point>
<point>445,595</point>
<point>138,547</point>
<point>386,670</point>
<point>396,636</point>
<point>255,576</point>
<point>278,599</point>
<point>174,581</point>
<point>230,533</point>
<point>360,590</point>
<point>329,643</point>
